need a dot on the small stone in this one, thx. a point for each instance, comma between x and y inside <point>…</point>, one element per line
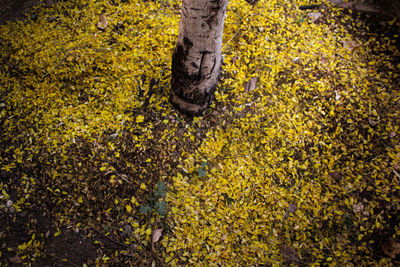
<point>357,208</point>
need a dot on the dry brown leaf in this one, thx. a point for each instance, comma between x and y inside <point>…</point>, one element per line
<point>391,248</point>
<point>314,16</point>
<point>351,45</point>
<point>373,122</point>
<point>102,24</point>
<point>15,260</point>
<point>250,85</point>
<point>156,236</point>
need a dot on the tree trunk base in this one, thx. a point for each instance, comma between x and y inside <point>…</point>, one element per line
<point>187,108</point>
<point>196,62</point>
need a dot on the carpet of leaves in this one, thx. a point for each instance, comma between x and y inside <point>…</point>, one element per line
<point>296,162</point>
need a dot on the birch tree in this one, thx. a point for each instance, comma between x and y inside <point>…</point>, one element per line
<point>196,62</point>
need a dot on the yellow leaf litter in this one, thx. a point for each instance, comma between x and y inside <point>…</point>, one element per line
<point>302,137</point>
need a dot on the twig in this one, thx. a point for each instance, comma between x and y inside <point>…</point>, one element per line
<point>321,236</point>
<point>58,63</point>
<point>223,48</point>
<point>110,239</point>
<point>154,255</point>
<point>123,178</point>
<point>60,259</point>
<point>395,172</point>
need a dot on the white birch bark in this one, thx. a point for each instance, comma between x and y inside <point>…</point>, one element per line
<point>196,63</point>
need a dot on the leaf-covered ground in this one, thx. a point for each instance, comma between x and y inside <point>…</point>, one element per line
<point>296,162</point>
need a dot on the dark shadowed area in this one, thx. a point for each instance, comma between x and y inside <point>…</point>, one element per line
<point>14,9</point>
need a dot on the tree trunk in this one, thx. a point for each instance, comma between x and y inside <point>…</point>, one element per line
<point>196,62</point>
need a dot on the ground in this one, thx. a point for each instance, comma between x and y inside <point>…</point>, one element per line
<point>13,10</point>
<point>70,248</point>
<point>41,234</point>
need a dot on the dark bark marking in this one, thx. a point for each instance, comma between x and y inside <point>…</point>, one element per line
<point>179,54</point>
<point>203,54</point>
<point>187,42</point>
<point>193,102</point>
<point>215,61</point>
<point>184,11</point>
<point>179,71</point>
<point>210,21</point>
<point>194,64</point>
<point>181,78</point>
<point>201,64</point>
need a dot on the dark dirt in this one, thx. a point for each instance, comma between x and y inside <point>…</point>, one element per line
<point>70,248</point>
<point>11,10</point>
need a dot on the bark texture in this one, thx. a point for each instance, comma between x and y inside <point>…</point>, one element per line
<point>196,62</point>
